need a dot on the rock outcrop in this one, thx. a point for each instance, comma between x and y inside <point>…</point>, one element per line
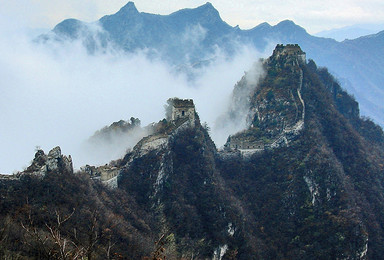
<point>54,161</point>
<point>276,111</point>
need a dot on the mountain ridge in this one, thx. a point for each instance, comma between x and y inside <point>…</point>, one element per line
<point>318,196</point>
<point>191,35</point>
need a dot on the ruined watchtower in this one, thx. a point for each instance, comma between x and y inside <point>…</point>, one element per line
<point>289,50</point>
<point>182,108</point>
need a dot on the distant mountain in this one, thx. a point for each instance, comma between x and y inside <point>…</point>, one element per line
<point>190,36</point>
<point>179,37</point>
<point>350,32</point>
<point>304,180</point>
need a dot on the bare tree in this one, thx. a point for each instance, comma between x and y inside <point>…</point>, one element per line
<point>93,235</point>
<point>52,243</point>
<point>6,227</point>
<point>108,249</point>
<point>159,253</point>
<point>67,249</point>
<point>34,235</point>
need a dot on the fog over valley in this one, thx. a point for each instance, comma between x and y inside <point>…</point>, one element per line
<point>58,94</point>
<point>59,87</point>
<point>168,131</point>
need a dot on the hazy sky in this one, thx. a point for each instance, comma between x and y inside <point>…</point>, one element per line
<point>313,15</point>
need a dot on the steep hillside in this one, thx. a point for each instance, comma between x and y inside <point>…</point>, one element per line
<point>277,107</point>
<point>313,189</point>
<point>49,212</point>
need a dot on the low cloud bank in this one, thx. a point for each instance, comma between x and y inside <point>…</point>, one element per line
<point>235,118</point>
<point>57,94</point>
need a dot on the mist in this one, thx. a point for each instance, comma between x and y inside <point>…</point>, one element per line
<point>237,115</point>
<point>114,141</point>
<point>58,94</point>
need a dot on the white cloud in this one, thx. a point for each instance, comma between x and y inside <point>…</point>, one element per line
<point>235,117</point>
<point>59,95</point>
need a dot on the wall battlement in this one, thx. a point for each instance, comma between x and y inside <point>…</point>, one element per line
<point>241,143</point>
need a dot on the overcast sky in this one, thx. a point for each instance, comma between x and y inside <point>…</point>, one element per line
<point>313,15</point>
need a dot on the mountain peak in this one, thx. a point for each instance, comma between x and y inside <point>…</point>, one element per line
<point>208,7</point>
<point>262,26</point>
<point>129,8</point>
<point>287,23</point>
<point>289,51</point>
<point>289,26</point>
<point>276,115</point>
<point>209,12</point>
<point>204,14</point>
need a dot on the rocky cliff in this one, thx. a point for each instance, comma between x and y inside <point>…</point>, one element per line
<point>276,109</point>
<point>314,189</point>
<point>304,198</point>
<point>317,195</point>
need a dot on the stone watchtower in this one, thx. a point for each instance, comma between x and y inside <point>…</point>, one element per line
<point>182,108</point>
<point>289,50</point>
